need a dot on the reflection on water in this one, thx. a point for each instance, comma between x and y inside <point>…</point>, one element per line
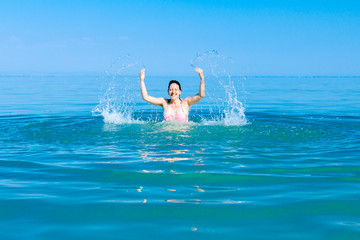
<point>153,153</point>
<point>175,127</point>
<point>168,131</point>
<point>154,156</point>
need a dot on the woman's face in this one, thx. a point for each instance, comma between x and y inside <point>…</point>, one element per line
<point>174,91</point>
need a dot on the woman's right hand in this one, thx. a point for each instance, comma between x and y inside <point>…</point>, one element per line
<point>142,74</point>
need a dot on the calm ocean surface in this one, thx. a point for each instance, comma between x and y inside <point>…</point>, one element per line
<point>83,157</point>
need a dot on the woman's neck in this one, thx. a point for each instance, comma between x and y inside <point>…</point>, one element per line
<point>176,101</point>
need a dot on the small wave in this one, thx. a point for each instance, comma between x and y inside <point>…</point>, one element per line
<point>119,118</point>
<point>233,121</point>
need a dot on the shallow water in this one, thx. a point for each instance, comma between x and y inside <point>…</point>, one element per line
<point>74,165</point>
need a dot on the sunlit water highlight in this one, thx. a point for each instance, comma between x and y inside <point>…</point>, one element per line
<point>78,162</point>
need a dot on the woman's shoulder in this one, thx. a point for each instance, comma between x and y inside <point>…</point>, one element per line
<point>186,100</point>
<point>165,102</point>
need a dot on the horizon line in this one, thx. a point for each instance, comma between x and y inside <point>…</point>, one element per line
<point>99,74</point>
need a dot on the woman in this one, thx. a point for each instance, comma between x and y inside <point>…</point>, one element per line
<point>175,108</point>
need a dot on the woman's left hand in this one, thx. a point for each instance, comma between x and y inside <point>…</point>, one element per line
<point>199,70</point>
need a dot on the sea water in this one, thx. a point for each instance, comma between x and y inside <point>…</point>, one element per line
<point>84,157</point>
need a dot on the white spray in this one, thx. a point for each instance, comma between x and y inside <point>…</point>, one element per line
<point>118,102</point>
<point>228,111</point>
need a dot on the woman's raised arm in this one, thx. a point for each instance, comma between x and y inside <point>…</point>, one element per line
<point>144,94</point>
<point>201,94</point>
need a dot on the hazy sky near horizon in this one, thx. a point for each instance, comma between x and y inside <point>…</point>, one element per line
<point>263,37</point>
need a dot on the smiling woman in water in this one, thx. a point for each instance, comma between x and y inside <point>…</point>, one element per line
<point>175,108</point>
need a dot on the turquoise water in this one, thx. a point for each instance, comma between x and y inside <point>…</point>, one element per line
<point>83,157</point>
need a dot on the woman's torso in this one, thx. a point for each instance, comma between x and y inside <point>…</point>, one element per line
<point>176,112</point>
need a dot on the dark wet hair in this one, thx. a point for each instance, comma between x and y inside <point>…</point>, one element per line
<point>174,81</point>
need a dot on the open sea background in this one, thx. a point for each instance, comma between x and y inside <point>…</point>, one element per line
<point>84,157</point>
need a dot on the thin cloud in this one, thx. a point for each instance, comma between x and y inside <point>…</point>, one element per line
<point>125,38</point>
<point>13,39</point>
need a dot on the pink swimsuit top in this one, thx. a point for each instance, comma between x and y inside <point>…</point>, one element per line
<point>181,116</point>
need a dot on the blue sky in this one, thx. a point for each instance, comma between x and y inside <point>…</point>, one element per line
<point>262,37</point>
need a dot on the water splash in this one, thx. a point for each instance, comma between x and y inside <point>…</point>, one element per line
<point>234,112</point>
<point>227,111</point>
<point>117,104</point>
<point>124,66</point>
